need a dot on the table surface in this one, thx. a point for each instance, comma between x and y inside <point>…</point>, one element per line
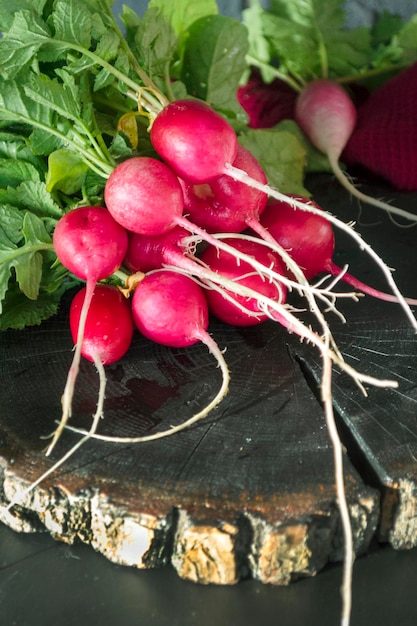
<point>46,582</point>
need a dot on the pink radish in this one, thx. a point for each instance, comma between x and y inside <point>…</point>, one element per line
<point>144,196</point>
<point>243,311</point>
<point>194,140</point>
<point>221,272</point>
<point>309,240</point>
<point>226,205</point>
<point>171,309</point>
<point>91,245</point>
<point>327,115</point>
<point>108,328</point>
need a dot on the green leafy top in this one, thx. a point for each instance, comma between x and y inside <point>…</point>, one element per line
<point>298,41</point>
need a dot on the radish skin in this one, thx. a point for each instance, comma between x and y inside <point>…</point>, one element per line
<point>193,139</point>
<point>310,241</point>
<point>108,328</point>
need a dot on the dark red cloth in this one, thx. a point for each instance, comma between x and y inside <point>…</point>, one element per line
<point>266,104</point>
<point>385,138</point>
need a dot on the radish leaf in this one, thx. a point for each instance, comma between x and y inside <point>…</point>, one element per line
<point>214,61</point>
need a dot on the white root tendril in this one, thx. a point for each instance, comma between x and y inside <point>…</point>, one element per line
<point>380,204</point>
<point>222,392</point>
<point>326,353</point>
<point>74,369</point>
<point>86,436</point>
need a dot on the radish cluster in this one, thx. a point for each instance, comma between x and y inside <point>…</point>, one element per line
<point>202,187</point>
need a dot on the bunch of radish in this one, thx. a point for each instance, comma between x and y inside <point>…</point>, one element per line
<point>242,279</point>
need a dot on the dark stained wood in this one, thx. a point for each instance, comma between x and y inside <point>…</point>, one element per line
<point>249,491</point>
<point>380,430</point>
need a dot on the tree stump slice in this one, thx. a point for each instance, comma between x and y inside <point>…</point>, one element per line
<point>250,491</point>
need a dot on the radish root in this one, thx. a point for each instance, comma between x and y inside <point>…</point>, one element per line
<point>73,371</point>
<point>4,512</point>
<point>380,204</point>
<point>222,392</point>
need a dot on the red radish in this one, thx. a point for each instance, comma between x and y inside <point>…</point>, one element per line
<point>108,328</point>
<point>309,239</point>
<point>327,115</point>
<point>194,140</point>
<point>144,196</point>
<point>171,309</point>
<point>243,311</point>
<point>150,182</point>
<point>91,245</point>
<point>226,205</point>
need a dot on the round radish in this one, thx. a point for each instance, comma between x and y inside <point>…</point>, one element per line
<point>171,309</point>
<point>226,205</point>
<point>90,243</point>
<point>239,310</point>
<point>194,140</point>
<point>108,328</point>
<point>144,195</point>
<point>309,239</point>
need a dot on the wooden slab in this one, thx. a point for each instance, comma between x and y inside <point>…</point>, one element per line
<point>248,492</point>
<point>380,431</point>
